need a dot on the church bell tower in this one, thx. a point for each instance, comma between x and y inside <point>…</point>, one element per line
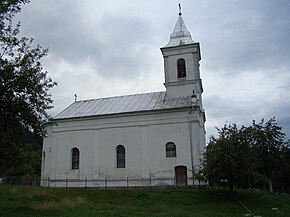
<point>181,63</point>
<point>182,80</point>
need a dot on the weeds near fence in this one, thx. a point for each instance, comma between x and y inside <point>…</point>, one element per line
<point>65,202</point>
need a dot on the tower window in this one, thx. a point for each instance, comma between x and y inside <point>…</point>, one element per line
<point>170,149</point>
<point>120,156</point>
<point>181,69</point>
<point>75,158</point>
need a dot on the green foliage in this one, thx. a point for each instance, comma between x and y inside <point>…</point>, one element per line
<point>24,96</point>
<point>8,8</point>
<point>248,157</point>
<point>198,174</point>
<point>267,140</point>
<point>229,158</point>
<point>282,175</point>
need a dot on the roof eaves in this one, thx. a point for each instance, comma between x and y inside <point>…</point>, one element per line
<point>124,113</point>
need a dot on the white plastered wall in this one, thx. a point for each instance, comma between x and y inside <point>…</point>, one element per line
<point>144,136</point>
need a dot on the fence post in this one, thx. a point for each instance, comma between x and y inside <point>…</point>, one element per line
<point>66,180</point>
<point>48,182</point>
<point>127,182</point>
<point>174,182</point>
<point>150,182</point>
<point>105,182</point>
<point>86,181</point>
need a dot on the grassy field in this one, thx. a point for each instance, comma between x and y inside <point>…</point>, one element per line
<point>25,201</point>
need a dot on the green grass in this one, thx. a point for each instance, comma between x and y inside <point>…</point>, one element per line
<point>23,201</point>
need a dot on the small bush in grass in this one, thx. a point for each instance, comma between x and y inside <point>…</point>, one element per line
<point>65,202</point>
<point>13,190</point>
<point>74,202</point>
<point>46,205</point>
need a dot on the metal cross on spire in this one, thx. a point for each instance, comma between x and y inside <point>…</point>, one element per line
<point>179,5</point>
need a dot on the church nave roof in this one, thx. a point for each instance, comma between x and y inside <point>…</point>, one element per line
<point>123,104</point>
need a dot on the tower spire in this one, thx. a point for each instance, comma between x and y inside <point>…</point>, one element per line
<point>180,34</point>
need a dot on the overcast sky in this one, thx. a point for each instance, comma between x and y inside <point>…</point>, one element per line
<point>108,48</point>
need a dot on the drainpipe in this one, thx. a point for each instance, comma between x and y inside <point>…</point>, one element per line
<point>194,102</point>
<point>190,138</point>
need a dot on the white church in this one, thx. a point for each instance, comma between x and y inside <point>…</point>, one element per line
<point>134,140</point>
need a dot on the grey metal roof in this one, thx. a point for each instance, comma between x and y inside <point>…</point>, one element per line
<point>180,34</point>
<point>123,104</point>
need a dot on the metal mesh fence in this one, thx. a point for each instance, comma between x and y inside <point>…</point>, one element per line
<point>128,182</point>
<point>114,183</point>
<point>26,180</point>
<point>103,183</point>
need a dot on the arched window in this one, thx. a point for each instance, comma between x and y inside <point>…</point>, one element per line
<point>43,161</point>
<point>170,149</point>
<point>181,69</point>
<point>75,160</point>
<point>121,156</point>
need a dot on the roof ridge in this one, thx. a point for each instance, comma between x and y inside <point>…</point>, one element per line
<point>117,96</point>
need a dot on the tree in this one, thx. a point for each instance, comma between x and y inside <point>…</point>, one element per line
<point>249,156</point>
<point>284,172</point>
<point>24,86</point>
<point>228,157</point>
<point>198,174</point>
<point>267,140</point>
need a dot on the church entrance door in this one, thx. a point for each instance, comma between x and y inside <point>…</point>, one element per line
<point>180,176</point>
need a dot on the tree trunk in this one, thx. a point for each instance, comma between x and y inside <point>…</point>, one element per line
<point>270,185</point>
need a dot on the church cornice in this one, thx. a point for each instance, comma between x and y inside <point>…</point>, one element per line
<point>183,82</point>
<point>180,46</point>
<point>177,50</point>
